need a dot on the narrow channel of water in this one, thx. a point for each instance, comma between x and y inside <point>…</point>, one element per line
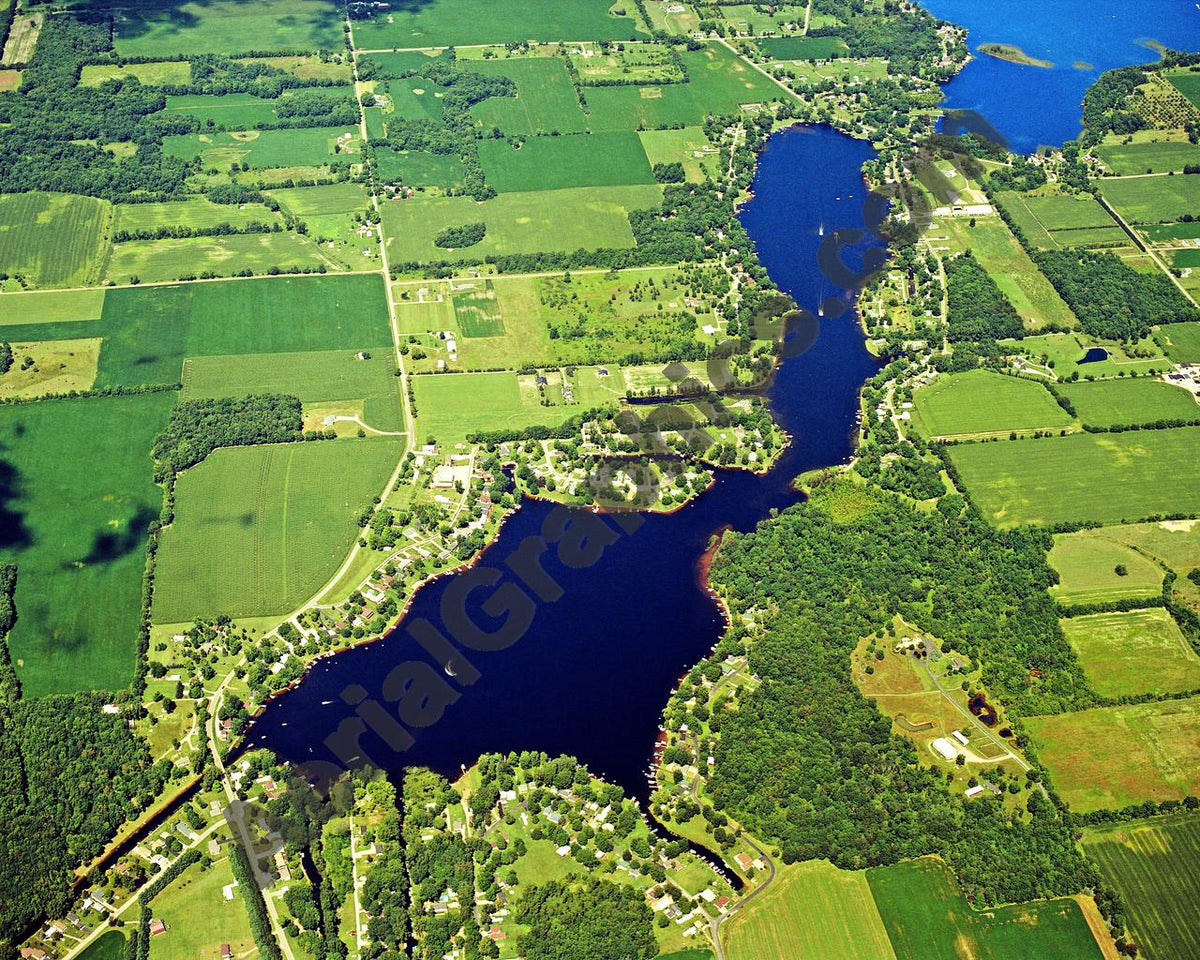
<point>591,675</point>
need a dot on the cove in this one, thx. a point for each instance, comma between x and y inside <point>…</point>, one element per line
<point>1033,106</point>
<point>591,675</point>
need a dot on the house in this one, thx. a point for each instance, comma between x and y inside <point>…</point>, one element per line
<point>744,861</point>
<point>226,953</point>
<point>496,934</point>
<point>157,927</point>
<point>32,953</point>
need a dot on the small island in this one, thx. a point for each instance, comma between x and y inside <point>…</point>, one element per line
<point>1013,54</point>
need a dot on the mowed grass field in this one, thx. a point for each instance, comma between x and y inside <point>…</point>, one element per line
<point>545,100</point>
<point>1086,563</point>
<point>527,222</point>
<point>554,163</point>
<point>927,918</point>
<point>1153,199</point>
<point>1134,652</point>
<point>1105,403</point>
<point>198,893</point>
<point>1180,341</point>
<point>258,530</point>
<point>50,306</point>
<point>1111,477</point>
<point>451,406</point>
<point>108,946</point>
<point>983,403</point>
<point>1055,222</point>
<point>76,500</point>
<point>153,261</point>
<point>1135,158</point>
<point>52,239</point>
<point>1111,757</point>
<point>323,201</point>
<point>197,213</point>
<point>154,28</point>
<point>321,376</point>
<point>1152,865</point>
<point>812,911</point>
<point>305,146</point>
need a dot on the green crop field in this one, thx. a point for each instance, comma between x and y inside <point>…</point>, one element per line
<point>443,23</point>
<point>413,98</point>
<point>1111,757</point>
<point>1179,341</point>
<point>1105,403</point>
<point>527,222</point>
<point>1152,865</point>
<point>50,306</point>
<point>1134,652</point>
<point>197,213</point>
<point>545,100</point>
<point>1086,563</point>
<point>1186,82</point>
<point>154,28</point>
<point>813,911</point>
<point>258,530</point>
<point>243,111</point>
<point>320,376</point>
<point>982,403</point>
<point>802,48</point>
<point>198,894</point>
<point>451,406</point>
<point>329,200</point>
<point>52,239</point>
<point>1061,221</point>
<point>1135,158</point>
<point>76,503</point>
<point>419,168</point>
<point>152,261</point>
<point>554,163</point>
<point>308,146</point>
<point>1085,476</point>
<point>478,312</point>
<point>1153,199</point>
<point>927,918</point>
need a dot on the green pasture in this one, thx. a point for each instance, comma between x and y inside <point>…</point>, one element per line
<point>1179,341</point>
<point>413,98</point>
<point>1105,403</point>
<point>615,158</point>
<point>50,306</point>
<point>76,500</point>
<point>419,168</point>
<point>259,529</point>
<point>199,893</point>
<point>686,145</point>
<point>52,239</point>
<point>153,261</point>
<point>308,146</point>
<point>1158,157</point>
<point>802,48</point>
<point>1186,82</point>
<point>1086,562</point>
<point>451,406</point>
<point>150,74</point>
<point>196,213</point>
<point>1153,199</point>
<point>1134,652</point>
<point>545,100</point>
<point>982,403</point>
<point>243,111</point>
<point>323,201</point>
<point>1110,477</point>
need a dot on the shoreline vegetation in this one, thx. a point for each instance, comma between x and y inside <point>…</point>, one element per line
<point>1014,54</point>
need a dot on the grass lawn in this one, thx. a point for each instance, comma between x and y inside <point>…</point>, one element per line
<point>50,306</point>
<point>1111,757</point>
<point>196,212</point>
<point>52,239</point>
<point>316,377</point>
<point>1105,403</point>
<point>928,919</point>
<point>152,261</point>
<point>1085,476</point>
<point>545,100</point>
<point>1153,199</point>
<point>812,910</point>
<point>259,529</point>
<point>155,28</point>
<point>1134,652</point>
<point>1064,353</point>
<point>526,222</point>
<point>1179,341</point>
<point>451,406</point>
<point>199,894</point>
<point>1152,865</point>
<point>1135,158</point>
<point>1086,563</point>
<point>108,946</point>
<point>982,403</point>
<point>76,499</point>
<point>554,163</point>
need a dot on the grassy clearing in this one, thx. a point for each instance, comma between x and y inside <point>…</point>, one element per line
<point>1109,402</point>
<point>274,522</point>
<point>59,366</point>
<point>50,306</point>
<point>555,163</point>
<point>688,146</point>
<point>76,526</point>
<point>243,111</point>
<point>1086,563</point>
<point>1153,199</point>
<point>1112,757</point>
<point>9,80</point>
<point>928,919</point>
<point>1135,158</point>
<point>155,28</point>
<point>1174,543</point>
<point>545,100</point>
<point>1152,865</point>
<point>150,74</point>
<point>1084,476</point>
<point>983,403</point>
<point>1063,353</point>
<point>812,910</point>
<point>1179,341</point>
<point>451,406</point>
<point>52,239</point>
<point>308,146</point>
<point>196,213</point>
<point>198,893</point>
<point>317,377</point>
<point>527,222</point>
<point>153,261</point>
<point>1134,652</point>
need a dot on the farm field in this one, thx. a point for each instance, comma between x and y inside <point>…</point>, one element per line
<point>59,366</point>
<point>1134,652</point>
<point>244,111</point>
<point>197,213</point>
<point>1153,199</point>
<point>315,377</point>
<point>412,98</point>
<point>52,239</point>
<point>154,73</point>
<point>1057,222</point>
<point>451,406</point>
<point>198,893</point>
<point>682,146</point>
<point>444,23</point>
<point>1075,478</point>
<point>527,222</point>
<point>1106,403</point>
<point>155,28</point>
<point>1186,82</point>
<point>813,911</point>
<point>323,201</point>
<point>305,146</point>
<point>1179,341</point>
<point>927,918</point>
<point>554,163</point>
<point>1152,865</point>
<point>419,168</point>
<point>545,100</point>
<point>1086,563</point>
<point>801,48</point>
<point>1111,757</point>
<point>50,306</point>
<point>1138,158</point>
<point>76,526</point>
<point>1174,543</point>
<point>981,403</point>
<point>275,520</point>
<point>153,261</point>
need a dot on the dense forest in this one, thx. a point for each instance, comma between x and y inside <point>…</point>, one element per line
<point>587,919</point>
<point>197,427</point>
<point>906,37</point>
<point>977,309</point>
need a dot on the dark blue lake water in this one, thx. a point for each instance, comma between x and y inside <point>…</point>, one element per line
<point>1032,106</point>
<point>592,672</point>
